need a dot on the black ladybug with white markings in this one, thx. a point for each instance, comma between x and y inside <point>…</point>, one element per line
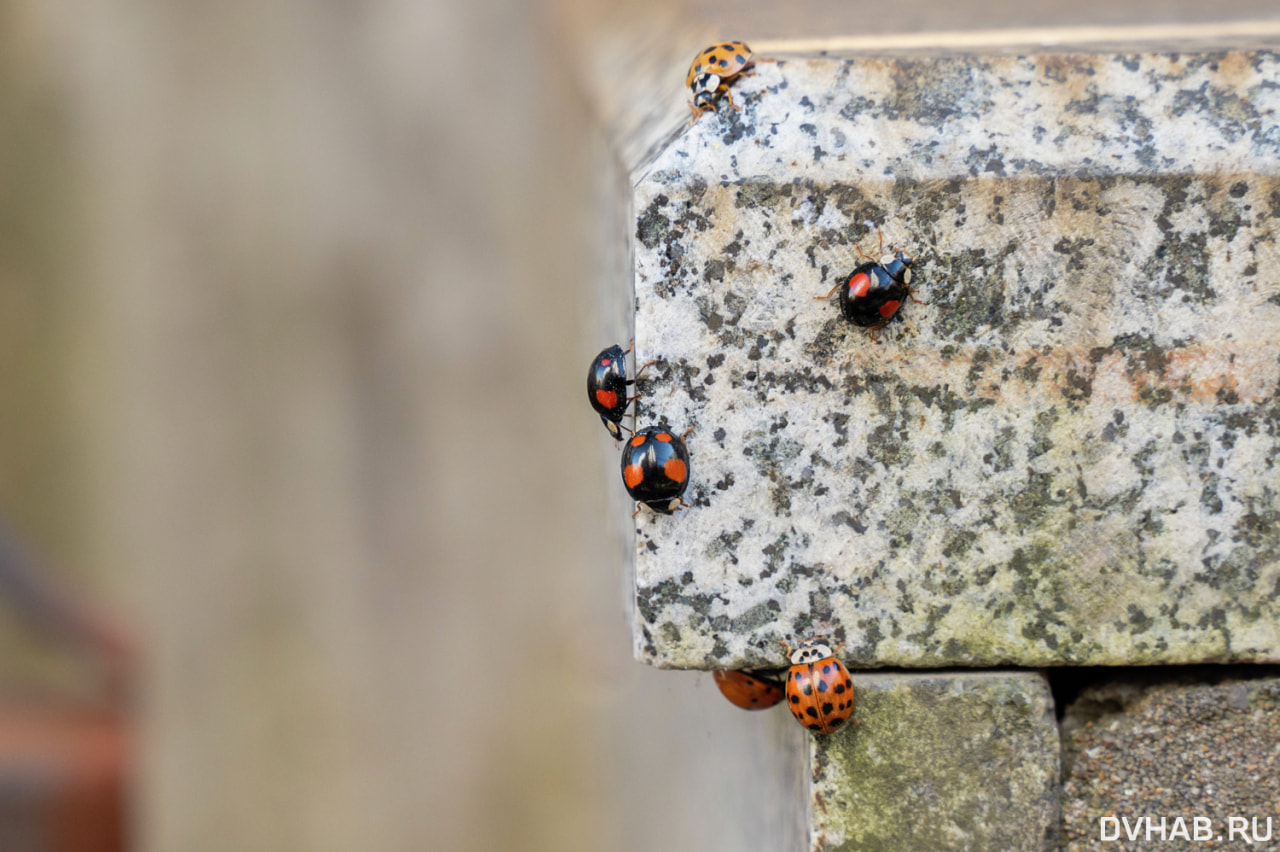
<point>607,384</point>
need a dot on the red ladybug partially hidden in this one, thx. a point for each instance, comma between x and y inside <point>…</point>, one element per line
<point>748,691</point>
<point>655,469</point>
<point>819,689</point>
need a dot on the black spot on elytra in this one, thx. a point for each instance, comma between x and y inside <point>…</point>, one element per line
<point>811,711</point>
<point>826,669</point>
<point>848,684</point>
<point>797,675</point>
<point>815,727</point>
<point>822,686</point>
<point>723,63</point>
<point>808,689</point>
<point>740,59</point>
<point>710,50</point>
<point>839,688</point>
<point>727,47</point>
<point>828,707</point>
<point>795,699</point>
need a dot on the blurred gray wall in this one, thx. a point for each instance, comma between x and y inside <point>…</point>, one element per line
<point>296,301</point>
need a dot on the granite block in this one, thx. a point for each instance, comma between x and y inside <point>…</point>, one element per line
<point>1066,455</point>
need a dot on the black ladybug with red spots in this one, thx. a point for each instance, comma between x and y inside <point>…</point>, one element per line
<point>655,469</point>
<point>607,385</point>
<point>872,294</point>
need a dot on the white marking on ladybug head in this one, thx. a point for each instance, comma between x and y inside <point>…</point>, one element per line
<point>888,259</point>
<point>707,83</point>
<point>811,652</point>
<point>906,275</point>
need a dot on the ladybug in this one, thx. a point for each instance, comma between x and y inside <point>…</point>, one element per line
<point>711,72</point>
<point>876,289</point>
<point>819,690</point>
<point>747,690</point>
<point>655,469</point>
<point>607,387</point>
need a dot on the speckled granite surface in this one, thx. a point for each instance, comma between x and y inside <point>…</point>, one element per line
<point>1067,456</point>
<point>967,763</point>
<point>1178,749</point>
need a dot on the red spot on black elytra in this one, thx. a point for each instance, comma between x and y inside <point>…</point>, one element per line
<point>888,309</point>
<point>859,284</point>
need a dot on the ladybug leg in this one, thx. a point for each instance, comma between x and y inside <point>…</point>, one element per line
<point>697,114</point>
<point>862,254</point>
<point>639,506</point>
<point>642,369</point>
<point>685,432</point>
<point>829,295</point>
<point>880,234</point>
<point>911,294</point>
<point>729,95</point>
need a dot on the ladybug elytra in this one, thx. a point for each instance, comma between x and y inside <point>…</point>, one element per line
<point>819,689</point>
<point>711,72</point>
<point>607,384</point>
<point>746,690</point>
<point>655,469</point>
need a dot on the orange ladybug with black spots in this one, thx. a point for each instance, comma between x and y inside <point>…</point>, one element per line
<point>711,72</point>
<point>819,689</point>
<point>747,690</point>
<point>655,469</point>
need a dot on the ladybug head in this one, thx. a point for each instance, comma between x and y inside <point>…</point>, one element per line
<point>704,91</point>
<point>898,265</point>
<point>810,652</point>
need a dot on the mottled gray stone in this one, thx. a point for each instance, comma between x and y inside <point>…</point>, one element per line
<point>1067,456</point>
<point>961,763</point>
<point>1168,750</point>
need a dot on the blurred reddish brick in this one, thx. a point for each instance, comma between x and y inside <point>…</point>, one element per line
<point>64,774</point>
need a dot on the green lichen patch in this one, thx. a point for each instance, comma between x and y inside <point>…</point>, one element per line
<point>957,762</point>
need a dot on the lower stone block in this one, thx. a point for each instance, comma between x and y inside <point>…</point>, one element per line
<point>964,762</point>
<point>1173,765</point>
